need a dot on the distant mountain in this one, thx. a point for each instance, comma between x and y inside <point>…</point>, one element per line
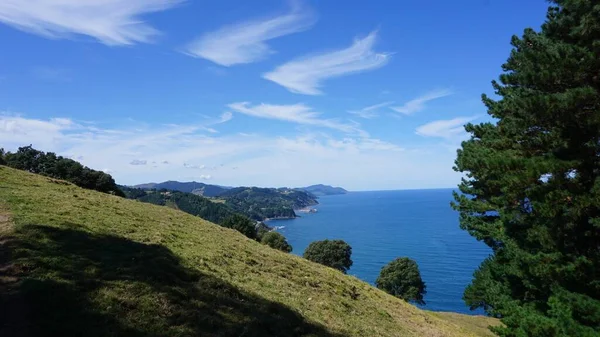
<point>320,190</point>
<point>188,187</point>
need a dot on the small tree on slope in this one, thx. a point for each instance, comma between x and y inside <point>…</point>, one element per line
<point>332,253</point>
<point>532,186</point>
<point>402,279</point>
<point>241,224</point>
<point>276,240</point>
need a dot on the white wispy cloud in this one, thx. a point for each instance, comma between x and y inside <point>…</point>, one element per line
<point>138,162</point>
<point>197,167</point>
<point>418,104</point>
<point>225,117</point>
<point>245,42</point>
<point>448,128</point>
<point>211,121</point>
<point>206,128</point>
<point>19,130</point>
<point>112,22</point>
<point>295,113</point>
<point>304,76</point>
<point>370,111</point>
<point>262,160</point>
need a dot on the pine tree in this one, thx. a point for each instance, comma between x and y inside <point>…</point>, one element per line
<point>532,181</point>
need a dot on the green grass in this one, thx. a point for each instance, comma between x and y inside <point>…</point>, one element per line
<point>78,262</point>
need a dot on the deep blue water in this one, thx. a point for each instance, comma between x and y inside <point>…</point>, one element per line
<point>383,225</point>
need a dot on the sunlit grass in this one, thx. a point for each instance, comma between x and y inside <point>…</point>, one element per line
<point>87,263</point>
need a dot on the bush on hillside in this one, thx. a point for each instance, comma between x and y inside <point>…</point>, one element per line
<point>332,253</point>
<point>241,224</point>
<point>261,230</point>
<point>49,164</point>
<point>402,278</point>
<point>276,240</point>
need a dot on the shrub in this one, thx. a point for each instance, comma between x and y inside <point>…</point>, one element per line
<point>402,279</point>
<point>277,241</point>
<point>332,253</point>
<point>241,224</point>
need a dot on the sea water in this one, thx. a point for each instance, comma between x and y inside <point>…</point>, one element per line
<point>383,225</point>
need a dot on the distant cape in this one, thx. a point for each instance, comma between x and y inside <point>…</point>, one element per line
<point>320,190</point>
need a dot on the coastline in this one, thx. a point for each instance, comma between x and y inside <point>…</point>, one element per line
<point>306,209</point>
<point>281,218</point>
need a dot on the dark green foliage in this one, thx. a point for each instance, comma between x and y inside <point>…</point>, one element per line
<point>262,203</point>
<point>2,154</point>
<point>241,224</point>
<point>201,207</point>
<point>532,186</point>
<point>186,202</point>
<point>262,229</point>
<point>133,193</point>
<point>49,164</point>
<point>402,279</point>
<point>256,203</point>
<point>276,240</point>
<point>332,253</point>
<point>189,187</point>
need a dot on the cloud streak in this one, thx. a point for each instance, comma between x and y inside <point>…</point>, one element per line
<point>137,162</point>
<point>448,128</point>
<point>197,167</point>
<point>418,104</point>
<point>295,113</point>
<point>245,42</point>
<point>370,111</point>
<point>305,75</point>
<point>112,22</point>
<point>269,160</point>
<point>225,117</point>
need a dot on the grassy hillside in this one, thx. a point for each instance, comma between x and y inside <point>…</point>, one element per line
<point>79,262</point>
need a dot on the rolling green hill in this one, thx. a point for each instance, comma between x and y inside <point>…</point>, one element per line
<point>77,262</point>
<point>256,203</point>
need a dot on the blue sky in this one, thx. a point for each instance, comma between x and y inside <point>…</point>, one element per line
<point>366,95</point>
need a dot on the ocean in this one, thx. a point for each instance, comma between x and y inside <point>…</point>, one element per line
<point>383,225</point>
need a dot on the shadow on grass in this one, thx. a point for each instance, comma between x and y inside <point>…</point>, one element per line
<point>74,283</point>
